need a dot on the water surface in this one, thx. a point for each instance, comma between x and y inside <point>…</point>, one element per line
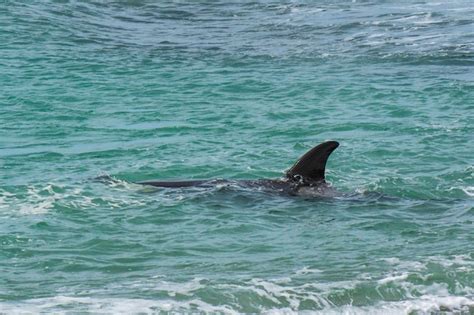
<point>141,90</point>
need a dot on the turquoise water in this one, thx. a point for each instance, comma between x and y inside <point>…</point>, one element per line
<point>141,90</point>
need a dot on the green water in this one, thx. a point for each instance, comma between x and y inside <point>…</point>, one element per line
<point>140,90</point>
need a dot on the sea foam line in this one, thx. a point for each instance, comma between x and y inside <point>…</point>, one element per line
<point>426,304</point>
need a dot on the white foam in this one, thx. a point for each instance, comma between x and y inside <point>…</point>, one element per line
<point>468,190</point>
<point>187,288</point>
<point>122,184</point>
<point>67,304</point>
<point>41,199</point>
<point>290,296</point>
<point>460,263</point>
<point>426,304</point>
<point>393,278</point>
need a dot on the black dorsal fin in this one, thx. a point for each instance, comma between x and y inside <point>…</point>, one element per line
<point>313,163</point>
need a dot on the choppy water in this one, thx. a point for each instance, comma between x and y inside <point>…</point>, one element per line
<point>215,89</point>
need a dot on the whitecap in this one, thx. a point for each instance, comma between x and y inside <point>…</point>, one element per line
<point>468,190</point>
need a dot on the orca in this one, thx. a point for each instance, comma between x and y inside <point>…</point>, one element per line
<point>305,177</point>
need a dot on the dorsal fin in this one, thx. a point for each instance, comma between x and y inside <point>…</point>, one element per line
<point>313,163</point>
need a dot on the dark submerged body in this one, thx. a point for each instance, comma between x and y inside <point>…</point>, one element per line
<point>306,177</point>
<point>273,184</point>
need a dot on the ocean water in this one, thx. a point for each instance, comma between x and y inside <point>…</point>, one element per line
<point>141,90</point>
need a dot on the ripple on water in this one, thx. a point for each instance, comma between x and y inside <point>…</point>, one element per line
<point>170,90</point>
